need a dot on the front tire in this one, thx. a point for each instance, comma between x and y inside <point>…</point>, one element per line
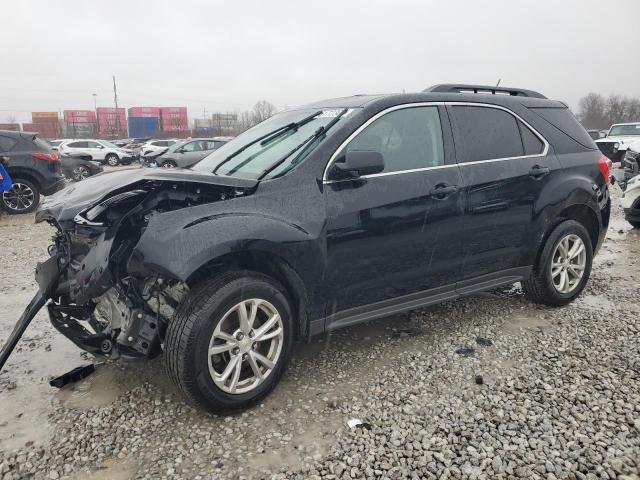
<point>23,197</point>
<point>169,164</point>
<point>112,160</point>
<point>564,266</point>
<point>221,358</point>
<point>80,173</point>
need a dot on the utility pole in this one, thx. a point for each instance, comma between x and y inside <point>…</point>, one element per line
<point>115,101</point>
<point>95,101</point>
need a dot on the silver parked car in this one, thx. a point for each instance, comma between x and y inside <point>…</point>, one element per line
<point>189,153</point>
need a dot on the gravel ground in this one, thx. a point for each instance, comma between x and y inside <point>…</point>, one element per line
<point>491,386</point>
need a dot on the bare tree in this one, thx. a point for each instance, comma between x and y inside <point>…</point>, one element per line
<point>591,113</point>
<point>262,110</point>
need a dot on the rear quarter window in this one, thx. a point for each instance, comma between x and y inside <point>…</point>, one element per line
<point>566,122</point>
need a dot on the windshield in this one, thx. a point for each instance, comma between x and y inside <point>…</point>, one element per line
<point>633,129</point>
<point>259,157</point>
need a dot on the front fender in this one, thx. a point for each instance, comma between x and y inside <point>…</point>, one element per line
<point>178,251</point>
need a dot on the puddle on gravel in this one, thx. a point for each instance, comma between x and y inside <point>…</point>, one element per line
<point>99,388</point>
<point>532,321</point>
<point>111,469</point>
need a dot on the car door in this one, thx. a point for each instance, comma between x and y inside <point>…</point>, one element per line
<point>191,153</point>
<point>504,165</point>
<point>398,232</point>
<point>96,150</point>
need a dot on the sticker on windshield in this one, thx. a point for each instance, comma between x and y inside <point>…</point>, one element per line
<point>333,113</point>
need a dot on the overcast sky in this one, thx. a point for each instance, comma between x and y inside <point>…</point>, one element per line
<point>223,55</point>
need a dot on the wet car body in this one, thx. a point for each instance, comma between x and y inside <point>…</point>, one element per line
<point>131,243</point>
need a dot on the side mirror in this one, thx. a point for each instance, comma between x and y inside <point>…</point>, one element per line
<point>357,163</point>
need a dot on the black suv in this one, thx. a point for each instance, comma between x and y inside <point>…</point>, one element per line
<point>325,216</point>
<point>33,167</point>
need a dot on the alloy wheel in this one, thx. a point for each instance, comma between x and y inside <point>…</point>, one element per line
<point>568,263</point>
<point>80,173</point>
<point>19,198</point>
<point>245,346</point>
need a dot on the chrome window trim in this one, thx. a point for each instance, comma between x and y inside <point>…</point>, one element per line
<point>544,152</point>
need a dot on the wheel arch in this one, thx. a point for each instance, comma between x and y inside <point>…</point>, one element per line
<point>27,174</point>
<point>268,264</point>
<point>579,212</point>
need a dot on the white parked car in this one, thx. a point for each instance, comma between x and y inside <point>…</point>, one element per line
<point>99,150</point>
<point>620,135</point>
<point>155,146</point>
<point>54,143</point>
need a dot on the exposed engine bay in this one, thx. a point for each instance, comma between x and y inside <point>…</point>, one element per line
<point>102,297</point>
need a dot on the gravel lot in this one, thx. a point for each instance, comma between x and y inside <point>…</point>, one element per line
<point>491,386</point>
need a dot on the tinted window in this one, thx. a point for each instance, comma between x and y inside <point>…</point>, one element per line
<point>77,145</point>
<point>563,119</point>
<point>193,147</point>
<point>6,143</point>
<point>484,133</point>
<point>407,139</point>
<point>532,144</point>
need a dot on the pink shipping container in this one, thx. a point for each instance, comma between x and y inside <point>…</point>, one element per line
<point>109,110</point>
<point>173,111</point>
<point>142,112</point>
<point>79,116</point>
<point>108,119</point>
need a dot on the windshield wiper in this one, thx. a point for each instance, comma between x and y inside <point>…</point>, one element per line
<point>267,137</point>
<point>317,134</point>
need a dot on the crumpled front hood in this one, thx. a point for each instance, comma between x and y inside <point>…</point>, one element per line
<point>67,203</point>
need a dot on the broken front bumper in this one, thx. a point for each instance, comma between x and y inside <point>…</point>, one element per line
<point>47,276</point>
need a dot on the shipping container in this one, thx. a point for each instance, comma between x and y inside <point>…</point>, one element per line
<point>143,127</point>
<point>79,130</point>
<point>109,110</point>
<point>79,116</point>
<point>14,127</point>
<point>203,123</point>
<point>140,112</point>
<point>48,130</point>
<point>38,117</point>
<point>173,111</point>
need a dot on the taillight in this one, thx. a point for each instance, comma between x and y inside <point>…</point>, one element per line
<point>49,157</point>
<point>606,165</point>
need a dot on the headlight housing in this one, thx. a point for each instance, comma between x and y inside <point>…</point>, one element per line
<point>616,146</point>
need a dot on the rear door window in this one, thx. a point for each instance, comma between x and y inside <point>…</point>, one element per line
<point>485,133</point>
<point>77,144</point>
<point>7,143</point>
<point>532,144</point>
<point>408,139</point>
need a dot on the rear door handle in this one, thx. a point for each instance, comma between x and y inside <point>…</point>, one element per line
<point>538,172</point>
<point>442,191</point>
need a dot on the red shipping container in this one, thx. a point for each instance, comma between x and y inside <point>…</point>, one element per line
<point>152,112</point>
<point>111,110</point>
<point>14,127</point>
<point>44,117</point>
<point>173,110</point>
<point>79,116</point>
<point>44,129</point>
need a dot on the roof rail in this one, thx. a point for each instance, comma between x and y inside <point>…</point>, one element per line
<point>464,88</point>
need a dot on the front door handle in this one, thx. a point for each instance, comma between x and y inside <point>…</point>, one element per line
<point>442,191</point>
<point>537,172</point>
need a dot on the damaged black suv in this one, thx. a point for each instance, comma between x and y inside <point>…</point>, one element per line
<point>321,217</point>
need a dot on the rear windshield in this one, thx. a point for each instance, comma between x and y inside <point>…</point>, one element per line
<point>41,144</point>
<point>566,122</point>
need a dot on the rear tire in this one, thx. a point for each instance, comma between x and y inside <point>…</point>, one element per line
<point>24,197</point>
<point>112,160</point>
<point>542,285</point>
<point>634,223</point>
<point>169,164</point>
<point>206,338</point>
